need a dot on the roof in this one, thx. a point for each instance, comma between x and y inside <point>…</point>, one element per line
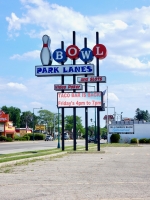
<point>109,117</point>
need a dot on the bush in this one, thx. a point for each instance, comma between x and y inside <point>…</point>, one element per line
<point>2,138</point>
<point>115,138</point>
<point>9,139</point>
<point>16,137</point>
<point>29,135</point>
<point>134,140</point>
<point>144,140</point>
<point>26,137</point>
<point>39,136</point>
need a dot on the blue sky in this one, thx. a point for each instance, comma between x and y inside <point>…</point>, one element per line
<point>123,26</point>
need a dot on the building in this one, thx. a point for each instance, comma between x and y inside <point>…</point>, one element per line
<point>128,129</point>
<point>110,118</point>
<point>6,127</point>
<point>22,131</point>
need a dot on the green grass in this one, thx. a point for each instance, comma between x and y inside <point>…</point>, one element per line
<point>92,148</point>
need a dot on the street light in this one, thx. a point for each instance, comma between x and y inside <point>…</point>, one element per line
<point>58,145</point>
<point>120,116</point>
<point>95,115</point>
<point>55,114</point>
<point>108,119</point>
<point>33,120</point>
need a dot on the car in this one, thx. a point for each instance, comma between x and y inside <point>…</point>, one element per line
<point>49,138</point>
<point>37,131</point>
<point>92,139</point>
<point>105,137</point>
<point>66,136</point>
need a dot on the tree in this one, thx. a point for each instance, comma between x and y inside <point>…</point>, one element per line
<point>142,115</point>
<point>27,118</point>
<point>14,114</point>
<point>103,132</point>
<point>69,124</point>
<point>46,117</point>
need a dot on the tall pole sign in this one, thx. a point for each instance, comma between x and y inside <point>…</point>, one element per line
<point>74,100</point>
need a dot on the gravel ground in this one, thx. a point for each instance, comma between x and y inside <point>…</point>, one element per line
<point>119,173</point>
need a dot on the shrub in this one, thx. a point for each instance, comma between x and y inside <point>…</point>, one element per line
<point>115,138</point>
<point>26,137</point>
<point>143,140</point>
<point>38,136</point>
<point>134,140</point>
<point>16,137</point>
<point>29,135</point>
<point>9,139</point>
<point>2,138</point>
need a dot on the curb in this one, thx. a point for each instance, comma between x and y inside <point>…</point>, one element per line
<point>29,159</point>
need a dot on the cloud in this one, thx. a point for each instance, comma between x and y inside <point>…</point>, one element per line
<point>129,62</point>
<point>18,86</point>
<point>36,105</point>
<point>117,32</point>
<point>112,97</point>
<point>26,56</point>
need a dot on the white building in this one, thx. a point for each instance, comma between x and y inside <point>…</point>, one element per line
<point>129,130</point>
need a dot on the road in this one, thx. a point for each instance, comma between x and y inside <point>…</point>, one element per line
<point>20,146</point>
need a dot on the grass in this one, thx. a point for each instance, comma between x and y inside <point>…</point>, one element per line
<point>92,148</point>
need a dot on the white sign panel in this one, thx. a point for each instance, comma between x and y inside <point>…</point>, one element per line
<point>92,79</point>
<point>68,87</point>
<point>57,70</point>
<point>79,99</point>
<point>1,127</point>
<point>121,129</point>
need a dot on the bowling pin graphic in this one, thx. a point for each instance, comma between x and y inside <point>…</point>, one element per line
<point>46,55</point>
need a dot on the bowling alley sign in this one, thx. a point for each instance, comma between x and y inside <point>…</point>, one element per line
<point>60,56</point>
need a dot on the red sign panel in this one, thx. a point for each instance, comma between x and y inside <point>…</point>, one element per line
<point>68,87</point>
<point>92,79</point>
<point>79,99</point>
<point>4,117</point>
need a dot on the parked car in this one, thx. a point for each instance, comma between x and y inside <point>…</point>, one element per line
<point>92,139</point>
<point>105,137</point>
<point>37,131</point>
<point>66,136</point>
<point>49,138</point>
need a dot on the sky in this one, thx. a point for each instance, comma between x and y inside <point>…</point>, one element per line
<point>124,29</point>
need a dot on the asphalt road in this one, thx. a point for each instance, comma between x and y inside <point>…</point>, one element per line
<point>121,173</point>
<point>20,146</point>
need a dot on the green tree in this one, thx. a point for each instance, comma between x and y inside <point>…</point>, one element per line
<point>103,132</point>
<point>142,115</point>
<point>46,117</point>
<point>27,118</point>
<point>14,114</point>
<point>69,124</point>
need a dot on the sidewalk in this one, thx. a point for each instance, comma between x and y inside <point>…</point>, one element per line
<point>121,173</point>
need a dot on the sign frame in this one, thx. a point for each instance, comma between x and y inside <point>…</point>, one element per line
<point>82,104</point>
<point>67,87</point>
<point>122,128</point>
<point>92,79</point>
<point>68,70</point>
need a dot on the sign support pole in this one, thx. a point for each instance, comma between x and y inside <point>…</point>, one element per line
<point>62,110</point>
<point>86,109</point>
<point>98,89</point>
<point>74,109</point>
